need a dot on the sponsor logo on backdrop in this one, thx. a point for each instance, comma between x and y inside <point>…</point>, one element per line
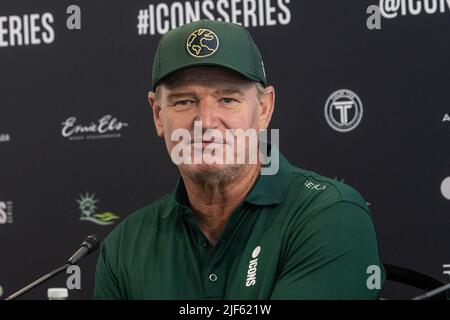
<point>5,137</point>
<point>27,29</point>
<point>159,18</point>
<point>6,212</point>
<point>35,28</point>
<point>446,118</point>
<point>343,110</point>
<point>445,188</point>
<point>87,203</point>
<point>104,128</point>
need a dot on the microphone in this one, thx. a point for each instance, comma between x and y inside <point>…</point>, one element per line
<point>89,245</point>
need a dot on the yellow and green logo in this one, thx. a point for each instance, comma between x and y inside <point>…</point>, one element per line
<point>202,43</point>
<point>87,204</point>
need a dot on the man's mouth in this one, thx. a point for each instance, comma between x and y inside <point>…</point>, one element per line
<point>207,141</point>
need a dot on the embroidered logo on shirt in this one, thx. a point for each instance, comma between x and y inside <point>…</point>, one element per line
<point>315,186</point>
<point>252,267</point>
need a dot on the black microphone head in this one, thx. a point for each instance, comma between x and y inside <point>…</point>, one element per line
<point>91,242</point>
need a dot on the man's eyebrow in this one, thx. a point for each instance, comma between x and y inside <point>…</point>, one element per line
<point>233,90</point>
<point>178,95</point>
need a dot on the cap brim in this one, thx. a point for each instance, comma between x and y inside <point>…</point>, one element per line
<point>214,64</point>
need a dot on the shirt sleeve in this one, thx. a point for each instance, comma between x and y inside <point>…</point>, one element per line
<point>106,284</point>
<point>328,256</point>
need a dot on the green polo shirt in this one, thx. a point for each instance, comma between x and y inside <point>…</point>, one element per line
<point>296,235</point>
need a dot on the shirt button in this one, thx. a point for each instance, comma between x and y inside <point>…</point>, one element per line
<point>205,244</point>
<point>213,277</point>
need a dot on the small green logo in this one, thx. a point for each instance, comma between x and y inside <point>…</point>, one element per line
<point>87,204</point>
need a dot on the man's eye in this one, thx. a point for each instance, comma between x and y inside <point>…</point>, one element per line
<point>228,100</point>
<point>183,102</point>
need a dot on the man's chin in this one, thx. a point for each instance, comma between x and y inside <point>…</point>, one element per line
<point>211,170</point>
<point>205,167</point>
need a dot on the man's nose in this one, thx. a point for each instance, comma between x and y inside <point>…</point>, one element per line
<point>207,113</point>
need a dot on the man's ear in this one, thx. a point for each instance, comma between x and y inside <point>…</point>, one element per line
<point>266,107</point>
<point>157,113</point>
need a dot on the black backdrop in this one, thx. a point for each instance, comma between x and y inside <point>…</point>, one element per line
<point>398,157</point>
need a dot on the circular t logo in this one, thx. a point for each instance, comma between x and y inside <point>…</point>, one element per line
<point>445,188</point>
<point>343,110</point>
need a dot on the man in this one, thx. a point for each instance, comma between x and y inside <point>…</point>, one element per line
<point>228,231</point>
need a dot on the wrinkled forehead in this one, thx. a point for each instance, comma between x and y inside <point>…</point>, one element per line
<point>209,76</point>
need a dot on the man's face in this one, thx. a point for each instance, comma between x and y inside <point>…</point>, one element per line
<point>222,100</point>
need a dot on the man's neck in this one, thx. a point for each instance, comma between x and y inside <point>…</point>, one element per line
<point>214,202</point>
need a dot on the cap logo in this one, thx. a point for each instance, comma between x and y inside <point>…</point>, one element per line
<point>202,43</point>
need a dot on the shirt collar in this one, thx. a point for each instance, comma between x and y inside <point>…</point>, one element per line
<point>267,190</point>
<point>271,189</point>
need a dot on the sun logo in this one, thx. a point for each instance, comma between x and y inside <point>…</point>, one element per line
<point>87,205</point>
<point>202,43</point>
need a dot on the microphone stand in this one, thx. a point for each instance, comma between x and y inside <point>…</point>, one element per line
<point>38,282</point>
<point>89,245</point>
<point>433,293</point>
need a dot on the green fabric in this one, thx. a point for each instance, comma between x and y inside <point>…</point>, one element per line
<point>315,234</point>
<point>218,43</point>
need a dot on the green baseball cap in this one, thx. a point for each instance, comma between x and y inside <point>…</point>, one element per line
<point>208,43</point>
